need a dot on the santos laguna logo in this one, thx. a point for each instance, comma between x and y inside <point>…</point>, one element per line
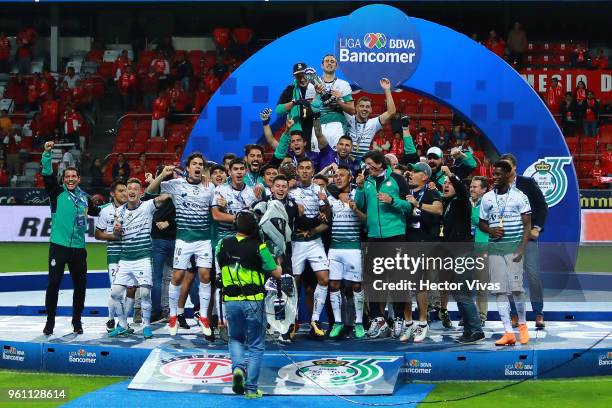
<point>335,372</point>
<point>377,43</point>
<point>551,177</point>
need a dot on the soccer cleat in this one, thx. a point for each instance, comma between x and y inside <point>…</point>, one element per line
<point>110,325</point>
<point>196,316</point>
<point>539,322</point>
<point>182,322</point>
<point>205,326</point>
<point>147,332</point>
<point>523,333</point>
<point>117,331</point>
<point>471,338</point>
<point>129,330</point>
<point>293,328</point>
<point>48,330</point>
<point>283,338</point>
<point>336,330</point>
<point>316,329</point>
<point>420,333</point>
<point>398,327</point>
<point>238,381</point>
<point>445,317</point>
<point>254,394</point>
<point>514,320</point>
<point>359,331</point>
<point>507,339</point>
<point>77,327</point>
<point>407,332</point>
<point>172,325</point>
<point>378,328</point>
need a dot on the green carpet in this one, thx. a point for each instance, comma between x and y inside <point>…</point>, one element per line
<point>33,257</point>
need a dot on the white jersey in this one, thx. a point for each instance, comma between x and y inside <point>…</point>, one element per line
<point>237,200</point>
<point>136,231</point>
<point>362,133</point>
<point>106,223</point>
<point>346,226</point>
<point>308,197</point>
<point>333,112</point>
<point>192,203</point>
<point>505,210</point>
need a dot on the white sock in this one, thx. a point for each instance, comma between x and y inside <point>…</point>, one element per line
<point>129,306</point>
<point>320,294</point>
<point>180,310</point>
<point>117,295</point>
<point>503,307</point>
<point>204,291</point>
<point>145,305</point>
<point>173,297</point>
<point>336,303</point>
<point>358,299</point>
<point>423,323</point>
<point>519,302</point>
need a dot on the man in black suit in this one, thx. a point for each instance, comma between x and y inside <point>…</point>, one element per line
<point>539,211</point>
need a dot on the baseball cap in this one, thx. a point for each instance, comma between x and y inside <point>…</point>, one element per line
<point>435,150</point>
<point>299,68</point>
<point>422,168</point>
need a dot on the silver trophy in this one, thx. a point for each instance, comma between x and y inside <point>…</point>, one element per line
<point>313,78</point>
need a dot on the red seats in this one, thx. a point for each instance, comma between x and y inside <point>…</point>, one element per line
<point>138,147</point>
<point>121,146</point>
<point>155,145</point>
<point>242,35</point>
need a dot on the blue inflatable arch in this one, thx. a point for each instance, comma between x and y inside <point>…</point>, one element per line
<point>452,69</point>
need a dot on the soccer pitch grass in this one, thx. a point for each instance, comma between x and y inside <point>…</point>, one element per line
<point>537,394</point>
<point>76,385</point>
<point>32,257</point>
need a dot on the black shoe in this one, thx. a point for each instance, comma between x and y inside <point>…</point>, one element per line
<point>182,322</point>
<point>211,338</point>
<point>471,338</point>
<point>77,327</point>
<point>110,325</point>
<point>445,317</point>
<point>49,326</point>
<point>196,317</point>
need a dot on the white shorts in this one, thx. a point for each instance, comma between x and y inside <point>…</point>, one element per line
<point>112,271</point>
<point>184,250</point>
<point>332,131</point>
<point>507,273</point>
<point>311,251</point>
<point>345,264</point>
<point>134,273</point>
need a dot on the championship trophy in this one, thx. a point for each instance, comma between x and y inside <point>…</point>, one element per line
<point>313,78</point>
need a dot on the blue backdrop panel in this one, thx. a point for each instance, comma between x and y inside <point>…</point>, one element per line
<point>21,355</point>
<point>451,69</point>
<point>94,360</point>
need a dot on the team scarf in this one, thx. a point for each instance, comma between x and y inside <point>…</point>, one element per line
<point>78,196</point>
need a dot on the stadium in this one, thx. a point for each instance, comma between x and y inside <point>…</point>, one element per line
<point>330,203</point>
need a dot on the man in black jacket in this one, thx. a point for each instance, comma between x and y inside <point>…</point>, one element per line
<point>295,101</point>
<point>456,228</point>
<point>539,211</point>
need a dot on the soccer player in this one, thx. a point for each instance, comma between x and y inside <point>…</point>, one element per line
<point>505,215</point>
<point>192,199</point>
<point>133,227</point>
<point>307,245</point>
<point>330,159</point>
<point>362,128</point>
<point>478,187</point>
<point>104,232</point>
<point>345,250</point>
<point>334,98</point>
<point>253,154</point>
<point>269,173</point>
<point>232,198</point>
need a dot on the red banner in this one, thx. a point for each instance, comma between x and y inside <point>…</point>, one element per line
<point>599,81</point>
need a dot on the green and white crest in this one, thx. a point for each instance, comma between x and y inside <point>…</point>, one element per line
<point>550,175</point>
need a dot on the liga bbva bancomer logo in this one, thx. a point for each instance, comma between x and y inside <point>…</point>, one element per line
<point>381,43</point>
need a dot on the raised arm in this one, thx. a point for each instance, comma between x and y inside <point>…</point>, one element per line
<point>51,185</point>
<point>156,183</point>
<point>385,84</point>
<point>265,122</point>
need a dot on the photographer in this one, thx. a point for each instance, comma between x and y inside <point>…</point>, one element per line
<point>243,288</point>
